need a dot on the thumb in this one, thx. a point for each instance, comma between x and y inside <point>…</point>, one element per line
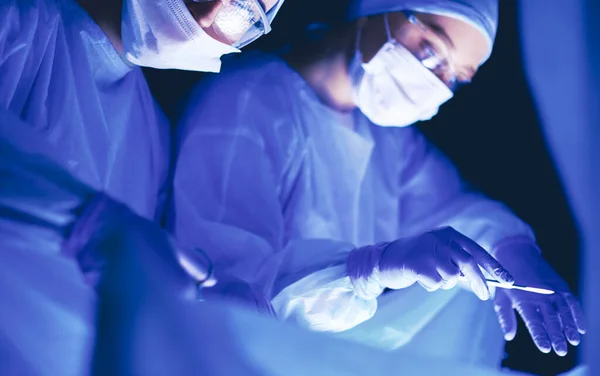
<point>506,314</point>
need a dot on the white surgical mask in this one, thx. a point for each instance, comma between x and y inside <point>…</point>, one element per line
<point>395,88</point>
<point>163,34</point>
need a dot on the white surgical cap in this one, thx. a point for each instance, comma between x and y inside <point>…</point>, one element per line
<point>482,14</point>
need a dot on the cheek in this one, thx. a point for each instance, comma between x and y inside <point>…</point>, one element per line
<point>471,58</point>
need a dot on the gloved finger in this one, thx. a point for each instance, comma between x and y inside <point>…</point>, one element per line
<point>577,312</point>
<point>554,328</point>
<point>263,304</point>
<point>533,321</point>
<point>567,322</point>
<point>469,268</point>
<point>269,310</point>
<point>431,282</point>
<point>265,307</point>
<point>506,314</point>
<point>483,258</point>
<point>449,273</point>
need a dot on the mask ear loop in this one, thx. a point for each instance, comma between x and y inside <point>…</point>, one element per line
<point>388,31</point>
<point>359,54</point>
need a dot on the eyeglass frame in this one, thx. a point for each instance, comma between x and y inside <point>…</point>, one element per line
<point>265,17</point>
<point>454,83</point>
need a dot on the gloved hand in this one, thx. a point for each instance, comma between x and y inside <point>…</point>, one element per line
<point>549,318</point>
<point>47,209</point>
<point>434,259</point>
<point>107,231</point>
<point>240,292</point>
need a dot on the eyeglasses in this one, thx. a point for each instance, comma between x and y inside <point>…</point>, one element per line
<point>243,21</point>
<point>435,55</point>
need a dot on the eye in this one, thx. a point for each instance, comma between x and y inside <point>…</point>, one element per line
<point>430,57</point>
<point>428,48</point>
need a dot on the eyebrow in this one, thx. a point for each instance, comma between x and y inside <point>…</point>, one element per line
<point>440,32</point>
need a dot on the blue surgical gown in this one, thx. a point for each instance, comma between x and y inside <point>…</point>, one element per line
<point>61,75</point>
<point>47,315</point>
<point>62,80</point>
<point>278,188</point>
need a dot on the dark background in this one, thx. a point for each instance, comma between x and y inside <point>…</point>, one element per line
<point>490,130</point>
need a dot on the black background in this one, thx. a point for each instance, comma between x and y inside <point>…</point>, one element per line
<point>490,130</point>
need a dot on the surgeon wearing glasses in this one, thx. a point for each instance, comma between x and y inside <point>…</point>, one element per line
<point>314,187</point>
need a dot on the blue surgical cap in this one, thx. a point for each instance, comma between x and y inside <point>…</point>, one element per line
<point>482,14</point>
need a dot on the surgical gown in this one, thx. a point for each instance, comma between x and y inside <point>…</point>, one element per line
<point>61,79</point>
<point>61,75</point>
<point>47,309</point>
<point>278,188</point>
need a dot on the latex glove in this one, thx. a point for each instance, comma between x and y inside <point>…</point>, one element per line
<point>434,259</point>
<point>549,318</point>
<point>240,292</point>
<point>107,230</point>
<point>46,208</point>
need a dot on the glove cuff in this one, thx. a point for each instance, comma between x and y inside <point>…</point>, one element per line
<point>362,267</point>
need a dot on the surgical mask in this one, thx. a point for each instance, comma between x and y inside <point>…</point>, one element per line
<point>163,34</point>
<point>395,88</point>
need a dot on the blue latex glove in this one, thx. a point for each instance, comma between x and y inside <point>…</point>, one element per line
<point>434,259</point>
<point>106,230</point>
<point>549,318</point>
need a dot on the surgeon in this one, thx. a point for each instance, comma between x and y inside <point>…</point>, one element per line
<point>302,175</point>
<point>71,70</point>
<point>70,75</point>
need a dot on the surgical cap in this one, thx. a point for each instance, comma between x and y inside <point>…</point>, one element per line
<point>482,14</point>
